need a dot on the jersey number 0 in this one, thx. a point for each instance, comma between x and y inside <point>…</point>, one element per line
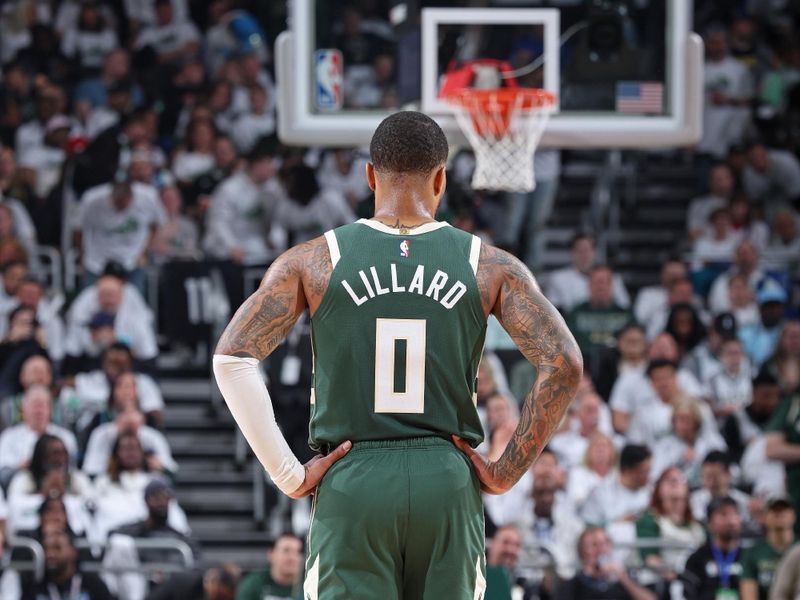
<point>400,366</point>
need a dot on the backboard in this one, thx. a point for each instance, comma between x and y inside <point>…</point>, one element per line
<point>626,73</point>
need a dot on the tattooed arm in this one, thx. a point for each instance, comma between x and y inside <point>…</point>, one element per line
<point>509,291</point>
<point>296,280</point>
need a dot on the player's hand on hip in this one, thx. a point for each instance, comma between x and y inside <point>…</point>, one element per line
<point>317,467</point>
<point>490,482</point>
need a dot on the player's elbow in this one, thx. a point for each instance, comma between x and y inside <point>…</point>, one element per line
<point>573,364</point>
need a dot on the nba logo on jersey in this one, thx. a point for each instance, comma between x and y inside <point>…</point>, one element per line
<point>404,248</point>
<point>329,71</point>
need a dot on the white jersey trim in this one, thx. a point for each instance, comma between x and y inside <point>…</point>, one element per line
<point>475,254</point>
<point>425,228</point>
<point>333,247</point>
<point>480,581</point>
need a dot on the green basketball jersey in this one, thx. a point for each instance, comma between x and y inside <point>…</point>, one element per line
<point>398,336</point>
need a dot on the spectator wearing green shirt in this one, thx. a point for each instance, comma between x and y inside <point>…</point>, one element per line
<point>669,519</point>
<point>761,561</point>
<point>596,321</point>
<point>502,557</point>
<point>282,577</point>
<point>783,444</point>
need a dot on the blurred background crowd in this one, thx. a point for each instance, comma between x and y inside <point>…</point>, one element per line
<point>142,194</point>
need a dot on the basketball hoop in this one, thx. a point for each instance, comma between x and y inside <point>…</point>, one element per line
<point>504,126</point>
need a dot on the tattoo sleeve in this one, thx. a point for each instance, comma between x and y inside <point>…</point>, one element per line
<point>542,336</point>
<point>297,279</point>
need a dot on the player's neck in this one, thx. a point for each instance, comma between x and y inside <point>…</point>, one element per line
<point>405,207</point>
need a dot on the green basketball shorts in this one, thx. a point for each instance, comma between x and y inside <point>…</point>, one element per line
<point>397,520</point>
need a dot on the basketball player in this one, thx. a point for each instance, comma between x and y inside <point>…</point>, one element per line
<point>398,308</point>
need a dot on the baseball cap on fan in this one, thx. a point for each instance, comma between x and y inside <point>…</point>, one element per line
<point>771,292</point>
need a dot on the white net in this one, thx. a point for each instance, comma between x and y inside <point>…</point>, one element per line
<point>504,130</point>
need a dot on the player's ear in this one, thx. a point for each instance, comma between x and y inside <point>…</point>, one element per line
<point>371,176</point>
<point>439,181</point>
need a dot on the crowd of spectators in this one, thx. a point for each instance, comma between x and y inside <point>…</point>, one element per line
<point>139,135</point>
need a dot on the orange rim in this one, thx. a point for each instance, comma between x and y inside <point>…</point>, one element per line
<point>502,99</point>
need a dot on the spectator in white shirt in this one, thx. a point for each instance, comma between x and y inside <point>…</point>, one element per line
<point>729,89</point>
<point>117,222</point>
<point>22,227</point>
<point>784,364</point>
<point>743,301</point>
<point>746,262</point>
<point>750,422</point>
<point>119,491</point>
<point>128,418</point>
<point>95,120</point>
<point>91,40</point>
<point>551,525</point>
<point>91,390</point>
<point>633,390</point>
<point>30,293</point>
<point>783,250</point>
<point>730,389</point>
<point>13,273</point>
<point>17,442</point>
<point>718,243</point>
<point>171,39</point>
<point>599,463</point>
<point>570,445</point>
<point>132,321</point>
<point>308,211</point>
<point>704,361</point>
<point>624,497</point>
<point>771,177</point>
<point>257,122</point>
<point>509,507</point>
<point>679,292</point>
<point>720,193</point>
<point>342,170</point>
<point>46,159</point>
<point>238,222</point>
<point>746,220</point>
<point>36,370</point>
<point>568,287</point>
<point>49,475</point>
<point>144,12</point>
<point>652,300</point>
<point>502,416</point>
<point>650,422</point>
<point>198,156</point>
<point>687,444</point>
<point>177,239</point>
<point>716,483</point>
<point>50,101</point>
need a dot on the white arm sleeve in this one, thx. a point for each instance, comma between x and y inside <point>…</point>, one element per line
<point>249,402</point>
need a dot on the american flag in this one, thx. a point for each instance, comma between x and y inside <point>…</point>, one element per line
<point>640,97</point>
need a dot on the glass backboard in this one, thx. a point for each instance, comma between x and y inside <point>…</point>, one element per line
<point>626,73</point>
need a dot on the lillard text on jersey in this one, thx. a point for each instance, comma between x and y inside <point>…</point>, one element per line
<point>437,286</point>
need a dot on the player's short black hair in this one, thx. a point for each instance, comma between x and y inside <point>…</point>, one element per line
<point>408,142</point>
<point>580,236</point>
<point>633,455</point>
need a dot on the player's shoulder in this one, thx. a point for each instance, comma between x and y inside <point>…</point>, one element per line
<point>306,255</point>
<point>496,262</point>
<point>498,268</point>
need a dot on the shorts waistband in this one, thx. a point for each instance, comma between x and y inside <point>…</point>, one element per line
<point>416,442</point>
